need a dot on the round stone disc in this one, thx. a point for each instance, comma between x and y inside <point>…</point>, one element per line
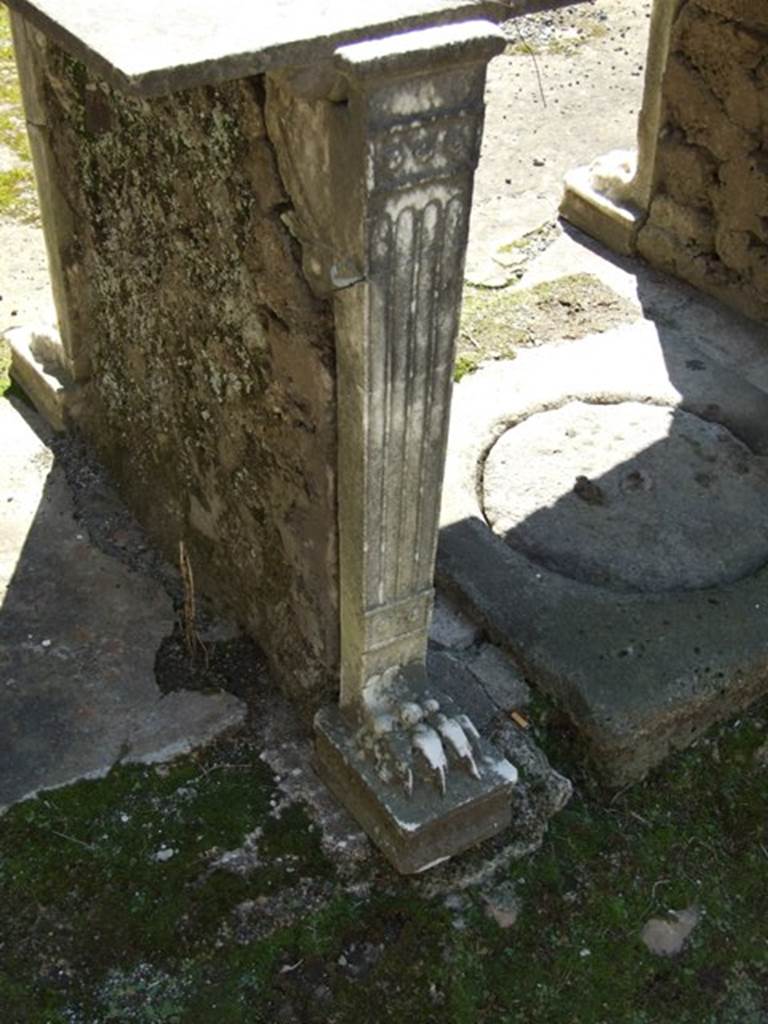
<point>630,496</point>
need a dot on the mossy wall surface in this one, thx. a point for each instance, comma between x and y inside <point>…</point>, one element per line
<point>708,220</point>
<point>207,365</point>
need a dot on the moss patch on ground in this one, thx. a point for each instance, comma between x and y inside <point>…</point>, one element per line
<point>100,923</point>
<point>495,322</point>
<point>18,197</point>
<point>109,886</point>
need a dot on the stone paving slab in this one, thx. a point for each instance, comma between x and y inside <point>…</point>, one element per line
<point>79,632</point>
<point>639,676</point>
<point>638,673</point>
<point>639,362</point>
<point>630,495</point>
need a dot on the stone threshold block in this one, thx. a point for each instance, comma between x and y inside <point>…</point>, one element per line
<point>690,199</point>
<point>38,367</point>
<point>256,228</point>
<point>609,198</point>
<point>598,200</point>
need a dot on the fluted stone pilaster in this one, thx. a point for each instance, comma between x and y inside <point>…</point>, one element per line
<point>389,137</point>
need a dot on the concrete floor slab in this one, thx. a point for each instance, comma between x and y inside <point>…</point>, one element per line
<point>79,632</point>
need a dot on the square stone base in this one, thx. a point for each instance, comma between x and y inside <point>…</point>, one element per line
<point>420,831</point>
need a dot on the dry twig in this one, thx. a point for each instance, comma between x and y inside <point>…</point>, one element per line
<point>192,641</point>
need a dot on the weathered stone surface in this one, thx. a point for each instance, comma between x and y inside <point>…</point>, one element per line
<point>608,199</point>
<point>483,681</point>
<point>499,678</point>
<point>697,204</point>
<point>668,936</point>
<point>660,490</point>
<point>689,171</point>
<point>712,135</point>
<point>386,227</point>
<point>694,225</point>
<point>693,106</point>
<point>542,791</point>
<point>450,673</point>
<point>753,13</point>
<point>382,212</point>
<point>205,362</point>
<point>607,213</point>
<point>726,55</point>
<point>154,48</point>
<point>450,627</point>
<point>209,389</point>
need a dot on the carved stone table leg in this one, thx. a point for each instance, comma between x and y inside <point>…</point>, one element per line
<point>378,154</point>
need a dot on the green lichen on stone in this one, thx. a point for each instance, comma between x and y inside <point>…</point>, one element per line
<point>211,392</point>
<point>126,870</point>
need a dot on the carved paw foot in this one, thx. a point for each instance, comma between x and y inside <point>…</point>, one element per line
<point>409,735</point>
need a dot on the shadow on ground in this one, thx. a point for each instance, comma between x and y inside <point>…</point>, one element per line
<point>80,626</point>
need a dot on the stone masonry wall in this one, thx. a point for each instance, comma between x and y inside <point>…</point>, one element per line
<point>708,219</point>
<point>209,388</point>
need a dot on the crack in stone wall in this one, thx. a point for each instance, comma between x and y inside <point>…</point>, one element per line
<point>708,219</point>
<point>210,390</point>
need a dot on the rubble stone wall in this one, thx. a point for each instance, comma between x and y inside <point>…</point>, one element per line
<point>209,387</point>
<point>708,218</point>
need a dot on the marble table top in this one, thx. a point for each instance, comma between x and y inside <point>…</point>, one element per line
<point>159,46</point>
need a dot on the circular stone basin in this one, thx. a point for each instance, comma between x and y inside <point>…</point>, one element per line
<point>629,496</point>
